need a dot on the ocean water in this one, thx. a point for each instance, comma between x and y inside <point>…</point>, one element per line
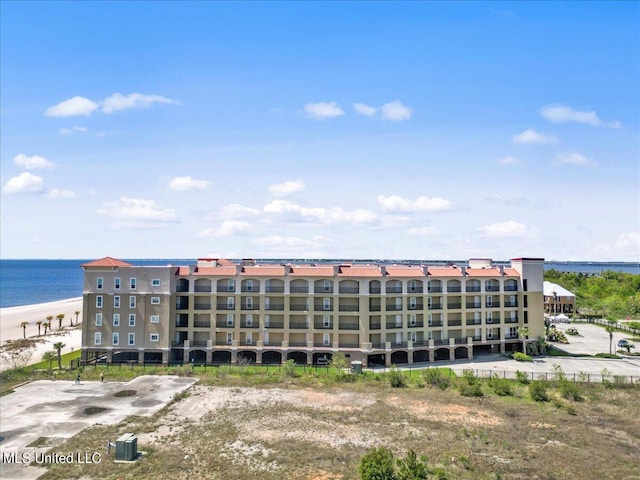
<point>25,282</point>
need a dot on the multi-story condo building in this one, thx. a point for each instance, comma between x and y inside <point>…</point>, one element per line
<point>219,311</point>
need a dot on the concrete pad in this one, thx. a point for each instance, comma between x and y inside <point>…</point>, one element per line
<point>592,339</point>
<point>60,409</point>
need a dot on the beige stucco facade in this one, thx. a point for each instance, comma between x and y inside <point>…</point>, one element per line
<point>218,311</point>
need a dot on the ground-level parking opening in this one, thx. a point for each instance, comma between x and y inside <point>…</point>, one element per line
<point>482,350</point>
<point>421,356</point>
<point>299,358</point>
<point>152,357</point>
<point>221,356</point>
<point>441,354</point>
<point>375,359</point>
<point>461,352</point>
<point>271,357</point>
<point>322,358</point>
<point>198,356</point>
<point>246,357</point>
<point>399,358</point>
<point>124,357</point>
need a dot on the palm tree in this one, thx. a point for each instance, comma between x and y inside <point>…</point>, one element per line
<point>49,357</point>
<point>24,329</point>
<point>610,329</point>
<point>59,346</point>
<point>524,333</point>
<point>39,324</point>
<point>49,320</point>
<point>76,313</point>
<point>60,317</point>
<point>46,326</point>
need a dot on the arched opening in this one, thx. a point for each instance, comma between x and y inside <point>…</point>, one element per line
<point>300,358</point>
<point>398,358</point>
<point>198,357</point>
<point>221,356</point>
<point>182,285</point>
<point>271,357</point>
<point>152,357</point>
<point>461,352</point>
<point>481,350</point>
<point>441,354</point>
<point>177,355</point>
<point>322,358</point>
<point>375,360</point>
<point>246,357</point>
<point>420,356</point>
<point>124,357</point>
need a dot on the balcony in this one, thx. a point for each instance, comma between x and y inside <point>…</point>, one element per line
<point>321,307</point>
<point>374,290</point>
<point>298,325</point>
<point>182,306</point>
<point>454,306</point>
<point>378,346</point>
<point>250,289</point>
<point>178,343</point>
<point>250,306</point>
<point>510,288</point>
<point>202,306</point>
<point>441,341</point>
<point>322,326</point>
<point>202,324</point>
<point>348,308</point>
<point>323,290</point>
<point>416,306</point>
<point>349,326</point>
<point>298,308</point>
<point>454,289</point>
<point>274,289</point>
<point>202,289</point>
<point>375,308</point>
<point>322,344</point>
<point>394,289</point>
<point>460,341</point>
<point>511,335</point>
<point>511,304</point>
<point>472,288</point>
<point>394,308</point>
<point>374,326</point>
<point>181,288</point>
<point>273,325</point>
<point>493,304</point>
<point>224,306</point>
<point>273,343</point>
<point>224,324</point>
<point>274,306</point>
<point>296,289</point>
<point>434,290</point>
<point>349,290</point>
<point>511,320</point>
<point>247,343</point>
<point>182,323</point>
<point>415,290</point>
<point>348,345</point>
<point>418,323</point>
<point>297,344</point>
<point>434,306</point>
<point>391,326</point>
<point>249,325</point>
<point>399,344</point>
<point>474,322</point>
<point>421,343</point>
<point>436,323</point>
<point>454,323</point>
<point>198,343</point>
<point>225,288</point>
<point>474,305</point>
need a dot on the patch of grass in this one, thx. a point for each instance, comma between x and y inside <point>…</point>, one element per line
<point>607,355</point>
<point>65,360</point>
<point>522,357</point>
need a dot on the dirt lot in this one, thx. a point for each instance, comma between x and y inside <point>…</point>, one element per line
<point>317,432</point>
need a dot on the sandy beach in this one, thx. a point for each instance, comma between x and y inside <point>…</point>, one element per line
<point>12,317</point>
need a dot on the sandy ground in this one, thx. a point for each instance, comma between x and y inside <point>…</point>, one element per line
<point>12,317</point>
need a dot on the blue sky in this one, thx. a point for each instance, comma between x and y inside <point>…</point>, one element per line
<point>416,130</point>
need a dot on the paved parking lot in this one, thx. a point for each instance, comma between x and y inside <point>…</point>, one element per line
<point>592,339</point>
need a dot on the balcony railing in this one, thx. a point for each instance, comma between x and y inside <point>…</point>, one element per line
<point>441,341</point>
<point>322,326</point>
<point>177,343</point>
<point>399,344</point>
<point>348,289</point>
<point>297,344</point>
<point>202,288</point>
<point>247,343</point>
<point>416,306</point>
<point>249,325</point>
<point>274,306</point>
<point>417,323</point>
<point>323,290</point>
<point>250,306</point>
<point>322,344</point>
<point>394,289</point>
<point>493,304</point>
<point>348,326</point>
<point>182,323</point>
<point>275,325</point>
<point>296,289</point>
<point>436,323</point>
<point>454,289</point>
<point>474,322</point>
<point>202,323</point>
<point>394,308</point>
<point>225,288</point>
<point>454,306</point>
<point>511,304</point>
<point>454,323</point>
<point>511,335</point>
<point>460,341</point>
<point>374,289</point>
<point>391,326</point>
<point>321,306</point>
<point>434,306</point>
<point>348,345</point>
<point>415,290</point>
<point>511,320</point>
<point>202,306</point>
<point>434,290</point>
<point>224,324</point>
<point>274,288</point>
<point>224,306</point>
<point>253,288</point>
<point>298,325</point>
<point>181,288</point>
<point>198,343</point>
<point>374,326</point>
<point>510,288</point>
<point>474,305</point>
<point>182,306</point>
<point>298,308</point>
<point>472,288</point>
<point>273,343</point>
<point>374,308</point>
<point>348,308</point>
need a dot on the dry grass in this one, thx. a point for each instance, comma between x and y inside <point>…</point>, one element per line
<point>294,431</point>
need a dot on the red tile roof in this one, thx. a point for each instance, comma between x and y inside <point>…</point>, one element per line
<point>217,271</point>
<point>106,262</point>
<point>404,271</point>
<point>511,272</point>
<point>444,271</point>
<point>312,271</point>
<point>483,272</point>
<point>183,271</point>
<point>360,271</point>
<point>263,271</point>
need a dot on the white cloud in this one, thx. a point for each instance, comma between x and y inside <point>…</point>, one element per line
<point>235,210</point>
<point>508,161</point>
<point>561,114</point>
<point>575,159</point>
<point>72,107</point>
<point>32,163</point>
<point>504,229</point>
<point>422,231</point>
<point>364,109</point>
<point>531,136</point>
<point>226,229</point>
<point>396,111</point>
<point>188,184</point>
<point>24,183</point>
<point>285,189</point>
<point>137,210</point>
<point>56,193</point>
<point>322,110</point>
<point>629,240</point>
<point>117,101</point>
<point>72,130</point>
<point>323,215</point>
<point>395,203</point>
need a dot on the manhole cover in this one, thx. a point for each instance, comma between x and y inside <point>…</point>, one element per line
<point>125,393</point>
<point>93,410</point>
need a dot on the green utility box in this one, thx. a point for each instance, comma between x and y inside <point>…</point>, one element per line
<point>356,367</point>
<point>127,447</point>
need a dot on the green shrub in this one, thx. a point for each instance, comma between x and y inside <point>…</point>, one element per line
<point>522,377</point>
<point>396,378</point>
<point>378,464</point>
<point>522,357</point>
<point>184,370</point>
<point>290,369</point>
<point>469,377</point>
<point>501,386</point>
<point>435,378</point>
<point>538,391</point>
<point>569,390</point>
<point>607,355</point>
<point>470,390</point>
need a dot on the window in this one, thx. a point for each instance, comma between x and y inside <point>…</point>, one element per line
<point>326,339</point>
<point>99,283</point>
<point>98,319</point>
<point>249,285</point>
<point>413,336</point>
<point>326,321</point>
<point>116,283</point>
<point>115,339</point>
<point>512,299</point>
<point>230,302</point>
<point>524,300</point>
<point>154,337</point>
<point>412,286</point>
<point>249,320</point>
<point>249,302</point>
<point>155,282</point>
<point>526,316</point>
<point>489,334</point>
<point>412,303</point>
<point>155,319</point>
<point>132,319</point>
<point>430,319</point>
<point>230,320</point>
<point>266,320</point>
<point>97,338</point>
<point>230,286</point>
<point>513,332</point>
<point>327,285</point>
<point>326,303</point>
<point>412,319</point>
<point>429,302</point>
<point>249,338</point>
<point>398,320</point>
<point>229,337</point>
<point>132,339</point>
<point>489,286</point>
<point>524,285</point>
<point>132,283</point>
<point>99,301</point>
<point>155,300</point>
<point>489,317</point>
<point>116,301</point>
<point>116,319</point>
<point>132,301</point>
<point>489,301</point>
